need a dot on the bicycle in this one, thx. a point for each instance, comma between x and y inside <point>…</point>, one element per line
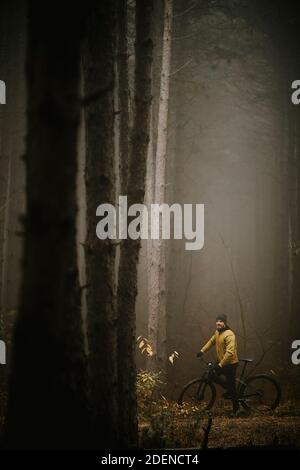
<point>260,392</point>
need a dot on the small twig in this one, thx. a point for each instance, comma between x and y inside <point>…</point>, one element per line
<point>206,433</point>
<point>112,243</point>
<point>181,67</point>
<point>85,286</point>
<point>182,13</point>
<point>86,101</point>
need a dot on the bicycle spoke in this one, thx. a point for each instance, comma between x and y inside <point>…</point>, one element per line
<point>199,394</point>
<point>260,393</point>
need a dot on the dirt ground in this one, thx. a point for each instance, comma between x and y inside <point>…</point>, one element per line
<point>255,431</point>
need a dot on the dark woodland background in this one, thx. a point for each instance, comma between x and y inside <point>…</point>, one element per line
<point>94,110</point>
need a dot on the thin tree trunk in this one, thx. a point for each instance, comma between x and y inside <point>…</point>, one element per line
<point>123,74</point>
<point>47,401</point>
<point>5,155</point>
<point>150,174</point>
<point>149,199</point>
<point>100,188</point>
<point>127,288</point>
<point>157,318</point>
<point>294,246</point>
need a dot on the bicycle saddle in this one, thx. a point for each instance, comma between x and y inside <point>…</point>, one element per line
<point>246,360</point>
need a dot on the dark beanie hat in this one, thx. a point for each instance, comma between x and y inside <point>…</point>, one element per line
<point>222,317</point>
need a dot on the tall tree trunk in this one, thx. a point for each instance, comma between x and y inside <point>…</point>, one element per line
<point>150,173</point>
<point>157,318</point>
<point>12,174</point>
<point>99,78</point>
<point>4,179</point>
<point>290,70</point>
<point>47,399</point>
<point>294,223</point>
<point>149,199</point>
<point>6,121</point>
<point>127,287</point>
<point>123,74</point>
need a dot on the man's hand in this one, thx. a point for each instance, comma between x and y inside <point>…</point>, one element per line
<point>200,354</point>
<point>217,369</point>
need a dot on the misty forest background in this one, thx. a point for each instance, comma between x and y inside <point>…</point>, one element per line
<point>163,101</point>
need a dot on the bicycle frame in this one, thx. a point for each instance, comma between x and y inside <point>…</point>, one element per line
<point>240,378</point>
<point>241,382</point>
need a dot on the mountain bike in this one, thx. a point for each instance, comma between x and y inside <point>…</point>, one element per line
<point>259,392</point>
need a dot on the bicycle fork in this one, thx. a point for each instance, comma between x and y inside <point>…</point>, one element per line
<point>201,391</point>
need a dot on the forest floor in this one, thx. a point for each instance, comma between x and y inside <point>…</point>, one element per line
<point>225,432</point>
<point>255,431</point>
<point>165,424</point>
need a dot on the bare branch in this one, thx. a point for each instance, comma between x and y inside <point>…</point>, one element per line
<point>180,68</point>
<point>87,100</point>
<point>113,243</point>
<point>206,433</point>
<point>85,286</point>
<point>184,12</point>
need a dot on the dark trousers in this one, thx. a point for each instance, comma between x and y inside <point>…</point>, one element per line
<point>226,378</point>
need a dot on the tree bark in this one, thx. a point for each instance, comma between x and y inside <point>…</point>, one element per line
<point>100,188</point>
<point>129,256</point>
<point>294,222</point>
<point>47,405</point>
<point>157,318</point>
<point>12,173</point>
<point>149,199</point>
<point>123,75</point>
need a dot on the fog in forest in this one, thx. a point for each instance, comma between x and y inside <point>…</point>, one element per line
<point>228,149</point>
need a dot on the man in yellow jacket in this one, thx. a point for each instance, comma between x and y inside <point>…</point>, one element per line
<point>226,347</point>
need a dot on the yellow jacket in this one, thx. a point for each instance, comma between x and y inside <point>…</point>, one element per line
<point>226,347</point>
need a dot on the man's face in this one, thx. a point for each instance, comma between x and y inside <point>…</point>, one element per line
<point>220,324</point>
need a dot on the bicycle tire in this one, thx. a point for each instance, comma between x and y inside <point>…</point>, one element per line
<point>252,396</point>
<point>188,394</point>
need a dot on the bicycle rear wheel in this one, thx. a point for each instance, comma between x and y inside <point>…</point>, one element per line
<point>199,393</point>
<point>260,392</point>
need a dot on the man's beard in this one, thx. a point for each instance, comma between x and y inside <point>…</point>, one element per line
<point>222,328</point>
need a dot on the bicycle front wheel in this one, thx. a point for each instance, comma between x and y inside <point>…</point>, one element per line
<point>261,393</point>
<point>199,393</point>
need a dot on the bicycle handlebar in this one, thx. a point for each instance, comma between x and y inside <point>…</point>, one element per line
<point>210,363</point>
